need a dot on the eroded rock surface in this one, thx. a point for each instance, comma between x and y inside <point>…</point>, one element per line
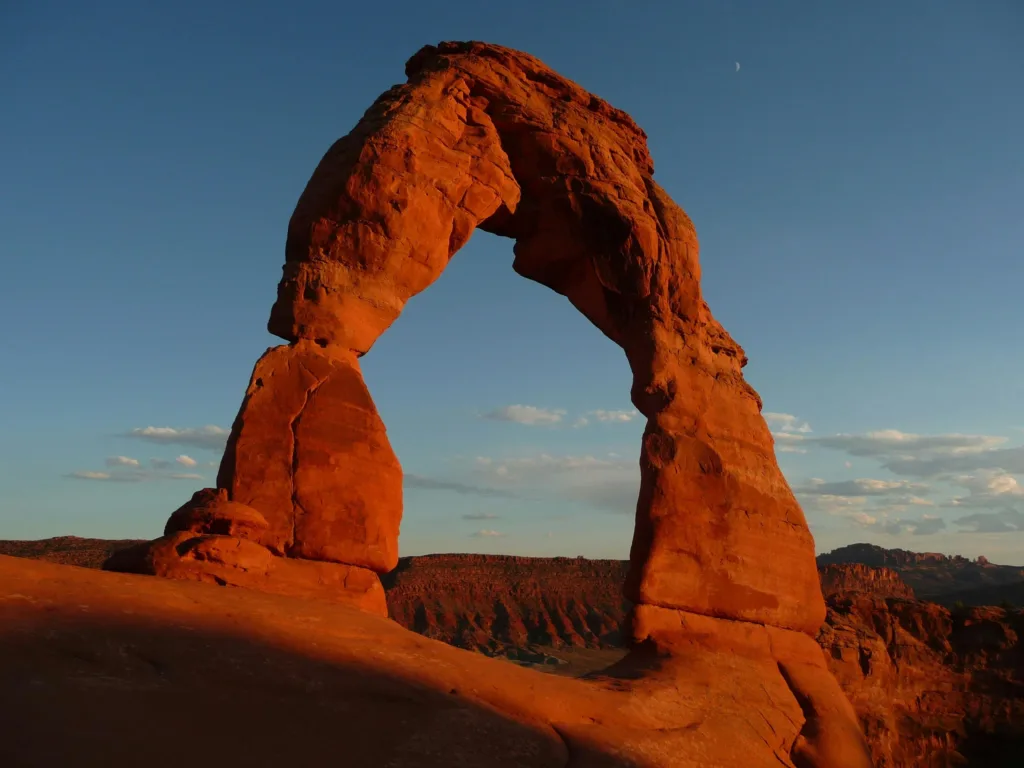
<point>218,541</point>
<point>721,565</point>
<point>100,668</point>
<point>879,582</point>
<point>483,136</point>
<point>503,605</point>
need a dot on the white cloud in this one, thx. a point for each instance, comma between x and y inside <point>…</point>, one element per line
<point>209,437</point>
<point>530,415</point>
<point>989,488</point>
<point>926,525</point>
<point>786,423</point>
<point>86,475</point>
<point>614,416</point>
<point>784,446</point>
<point>1002,459</point>
<point>186,476</point>
<point>582,421</point>
<point>186,461</point>
<point>487,534</point>
<point>892,444</point>
<point>860,487</point>
<point>121,461</point>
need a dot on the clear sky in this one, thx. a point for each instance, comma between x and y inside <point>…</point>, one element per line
<point>857,184</point>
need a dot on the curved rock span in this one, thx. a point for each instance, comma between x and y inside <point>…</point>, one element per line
<point>485,137</point>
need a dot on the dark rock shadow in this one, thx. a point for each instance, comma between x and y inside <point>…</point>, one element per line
<point>102,690</point>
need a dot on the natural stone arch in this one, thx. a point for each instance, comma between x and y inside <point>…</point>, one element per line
<point>309,496</point>
<point>483,136</point>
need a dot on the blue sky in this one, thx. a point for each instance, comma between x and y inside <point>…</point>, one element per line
<point>856,186</point>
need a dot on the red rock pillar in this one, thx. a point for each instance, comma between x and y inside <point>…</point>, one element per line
<point>309,451</point>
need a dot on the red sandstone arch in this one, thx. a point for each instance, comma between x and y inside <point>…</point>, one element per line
<point>483,136</point>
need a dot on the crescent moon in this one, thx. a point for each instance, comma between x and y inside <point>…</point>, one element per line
<point>737,66</point>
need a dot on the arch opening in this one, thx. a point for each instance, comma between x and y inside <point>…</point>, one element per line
<point>485,137</point>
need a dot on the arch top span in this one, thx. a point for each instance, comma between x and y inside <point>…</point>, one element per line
<point>485,136</point>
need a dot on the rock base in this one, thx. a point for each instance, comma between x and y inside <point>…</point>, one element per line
<point>214,540</point>
<point>789,667</point>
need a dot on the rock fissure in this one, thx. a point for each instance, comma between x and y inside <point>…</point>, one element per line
<point>293,427</point>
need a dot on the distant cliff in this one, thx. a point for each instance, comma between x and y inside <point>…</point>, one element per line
<point>855,577</point>
<point>492,603</point>
<point>932,576</point>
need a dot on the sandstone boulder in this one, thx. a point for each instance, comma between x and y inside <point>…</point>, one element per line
<point>210,511</point>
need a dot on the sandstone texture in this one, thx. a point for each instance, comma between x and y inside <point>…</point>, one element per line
<point>309,493</point>
<point>878,582</point>
<point>504,605</point>
<point>114,669</point>
<point>214,540</point>
<point>484,136</point>
<point>930,686</point>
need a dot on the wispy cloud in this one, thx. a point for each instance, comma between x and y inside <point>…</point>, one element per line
<point>130,475</point>
<point>1004,521</point>
<point>786,422</point>
<point>208,437</point>
<point>860,487</point>
<point>486,534</point>
<point>926,525</point>
<point>434,484</point>
<point>186,461</point>
<point>608,482</point>
<point>618,417</point>
<point>87,475</point>
<point>121,461</point>
<point>529,415</point>
<point>481,516</point>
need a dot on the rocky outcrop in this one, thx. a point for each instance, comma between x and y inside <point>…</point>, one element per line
<point>945,579</point>
<point>879,582</point>
<point>100,668</point>
<point>721,567</point>
<point>483,136</point>
<point>501,605</point>
<point>931,688</point>
<point>217,541</point>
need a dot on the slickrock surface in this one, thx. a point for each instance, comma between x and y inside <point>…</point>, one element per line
<point>924,681</point>
<point>111,669</point>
